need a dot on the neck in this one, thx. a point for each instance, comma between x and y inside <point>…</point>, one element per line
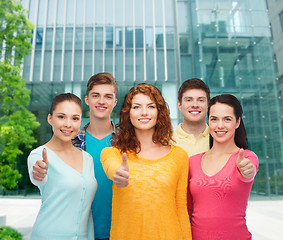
<point>145,138</point>
<point>194,128</point>
<point>100,127</point>
<point>224,148</point>
<point>57,145</point>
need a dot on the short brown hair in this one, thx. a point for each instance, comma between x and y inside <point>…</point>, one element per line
<point>193,83</point>
<point>126,140</point>
<point>101,78</point>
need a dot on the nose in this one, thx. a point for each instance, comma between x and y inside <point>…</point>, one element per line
<point>101,100</point>
<point>220,124</point>
<point>67,122</point>
<point>194,103</point>
<point>144,111</point>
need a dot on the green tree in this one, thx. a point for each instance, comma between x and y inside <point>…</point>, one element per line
<point>16,121</point>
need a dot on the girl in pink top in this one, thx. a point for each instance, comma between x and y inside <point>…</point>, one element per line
<point>221,179</point>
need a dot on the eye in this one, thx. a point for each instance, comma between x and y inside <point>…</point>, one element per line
<point>61,116</point>
<point>76,118</point>
<point>95,95</point>
<point>136,107</point>
<point>212,119</point>
<point>152,106</point>
<point>109,97</point>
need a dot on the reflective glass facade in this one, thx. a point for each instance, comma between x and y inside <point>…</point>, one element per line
<point>226,43</point>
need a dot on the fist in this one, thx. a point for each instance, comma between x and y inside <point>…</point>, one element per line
<point>121,176</point>
<point>244,165</point>
<point>40,167</point>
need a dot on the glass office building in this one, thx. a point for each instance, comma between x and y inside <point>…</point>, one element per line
<point>226,43</point>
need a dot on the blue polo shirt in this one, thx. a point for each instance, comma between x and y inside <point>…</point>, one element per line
<point>102,204</point>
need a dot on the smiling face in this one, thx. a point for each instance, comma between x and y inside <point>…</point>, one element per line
<point>222,123</point>
<point>194,106</point>
<point>101,101</point>
<point>143,113</point>
<point>65,120</point>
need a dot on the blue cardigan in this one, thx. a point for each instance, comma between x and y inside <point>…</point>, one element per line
<point>65,212</point>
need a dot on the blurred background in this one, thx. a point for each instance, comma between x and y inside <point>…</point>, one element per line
<point>234,46</point>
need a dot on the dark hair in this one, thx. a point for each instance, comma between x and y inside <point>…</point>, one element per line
<point>193,83</point>
<point>65,97</point>
<point>126,139</point>
<point>240,133</point>
<point>101,78</point>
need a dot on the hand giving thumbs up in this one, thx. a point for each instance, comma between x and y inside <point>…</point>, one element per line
<point>244,165</point>
<point>40,167</point>
<point>121,176</point>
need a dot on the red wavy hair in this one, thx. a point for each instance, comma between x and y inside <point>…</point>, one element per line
<point>126,139</point>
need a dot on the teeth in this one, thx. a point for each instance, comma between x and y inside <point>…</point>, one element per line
<point>66,131</point>
<point>144,120</point>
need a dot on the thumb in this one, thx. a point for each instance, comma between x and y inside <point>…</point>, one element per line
<point>124,164</point>
<point>44,157</point>
<point>240,156</point>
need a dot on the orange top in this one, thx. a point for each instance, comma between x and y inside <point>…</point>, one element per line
<point>153,205</point>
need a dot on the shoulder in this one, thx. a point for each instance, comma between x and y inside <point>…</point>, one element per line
<point>87,158</point>
<point>205,133</point>
<point>249,153</point>
<point>37,150</point>
<point>110,155</point>
<point>196,158</point>
<point>179,153</point>
<point>179,132</point>
<point>110,151</point>
<point>178,149</point>
<point>85,154</point>
<point>251,156</point>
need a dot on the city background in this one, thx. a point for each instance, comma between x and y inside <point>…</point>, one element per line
<point>234,46</point>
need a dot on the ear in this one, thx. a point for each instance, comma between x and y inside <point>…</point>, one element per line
<point>116,100</point>
<point>238,122</point>
<point>179,106</point>
<point>49,118</point>
<point>86,100</point>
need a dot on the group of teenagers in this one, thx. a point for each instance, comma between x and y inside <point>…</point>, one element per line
<point>140,179</point>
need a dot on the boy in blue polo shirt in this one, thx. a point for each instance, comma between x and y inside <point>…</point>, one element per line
<point>94,136</point>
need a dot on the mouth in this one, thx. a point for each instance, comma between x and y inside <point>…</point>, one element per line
<point>220,133</point>
<point>195,112</point>
<point>144,120</point>
<point>67,132</point>
<point>101,108</point>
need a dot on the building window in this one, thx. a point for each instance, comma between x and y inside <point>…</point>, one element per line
<point>281,19</point>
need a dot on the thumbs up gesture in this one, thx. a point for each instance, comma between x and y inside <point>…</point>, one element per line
<point>121,176</point>
<point>244,165</point>
<point>40,167</point>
